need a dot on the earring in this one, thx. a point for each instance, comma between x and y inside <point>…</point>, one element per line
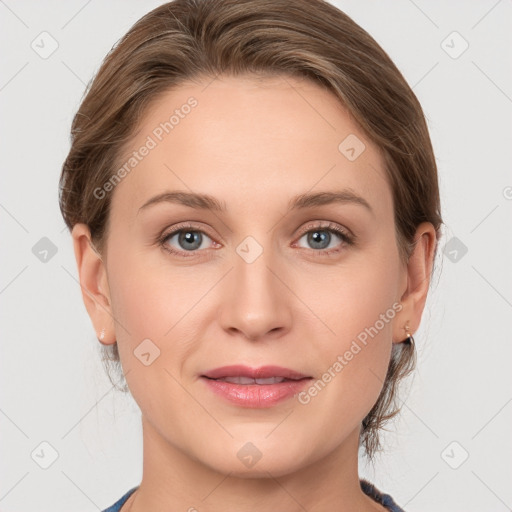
<point>102,334</point>
<point>409,340</point>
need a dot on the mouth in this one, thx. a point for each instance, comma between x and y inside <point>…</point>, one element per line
<point>262,387</point>
<point>245,375</point>
<point>246,381</point>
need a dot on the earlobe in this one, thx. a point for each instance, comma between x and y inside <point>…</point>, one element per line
<point>92,274</point>
<point>417,282</point>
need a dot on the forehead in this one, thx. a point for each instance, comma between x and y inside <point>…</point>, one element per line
<point>238,138</point>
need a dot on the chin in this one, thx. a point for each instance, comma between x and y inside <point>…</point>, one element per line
<point>256,460</point>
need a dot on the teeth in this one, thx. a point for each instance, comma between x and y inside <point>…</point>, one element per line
<point>270,380</point>
<point>238,380</point>
<point>249,380</point>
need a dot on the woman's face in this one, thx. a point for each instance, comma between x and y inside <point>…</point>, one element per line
<point>259,281</point>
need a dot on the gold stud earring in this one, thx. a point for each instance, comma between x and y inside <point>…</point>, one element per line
<point>409,340</point>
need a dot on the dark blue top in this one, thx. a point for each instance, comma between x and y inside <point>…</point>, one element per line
<point>116,507</point>
<point>369,489</point>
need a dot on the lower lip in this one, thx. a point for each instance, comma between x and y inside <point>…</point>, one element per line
<point>256,395</point>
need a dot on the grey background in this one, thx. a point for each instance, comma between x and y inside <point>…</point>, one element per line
<point>53,388</point>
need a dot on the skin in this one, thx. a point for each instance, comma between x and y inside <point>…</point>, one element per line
<point>253,144</point>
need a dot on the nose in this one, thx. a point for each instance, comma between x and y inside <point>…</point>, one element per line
<point>255,301</point>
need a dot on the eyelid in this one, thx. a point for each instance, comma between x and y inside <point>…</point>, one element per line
<point>183,226</point>
<point>346,236</point>
<point>318,224</point>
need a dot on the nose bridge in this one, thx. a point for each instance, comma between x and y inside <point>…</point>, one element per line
<point>256,302</point>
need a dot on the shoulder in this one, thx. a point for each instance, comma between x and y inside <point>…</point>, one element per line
<point>116,507</point>
<point>384,499</point>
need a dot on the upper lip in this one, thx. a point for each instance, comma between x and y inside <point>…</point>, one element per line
<point>262,372</point>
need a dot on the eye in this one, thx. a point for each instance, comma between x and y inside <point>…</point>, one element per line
<point>185,239</point>
<point>322,239</point>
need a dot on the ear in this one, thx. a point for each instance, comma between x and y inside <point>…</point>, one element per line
<point>416,282</point>
<point>93,282</point>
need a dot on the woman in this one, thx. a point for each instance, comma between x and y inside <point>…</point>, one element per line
<point>254,207</point>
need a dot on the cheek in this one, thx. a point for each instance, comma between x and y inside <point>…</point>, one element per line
<point>359,306</point>
<point>148,295</point>
<point>151,301</point>
<point>355,296</point>
<point>168,305</point>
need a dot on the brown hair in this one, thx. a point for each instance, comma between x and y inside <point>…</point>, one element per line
<point>187,40</point>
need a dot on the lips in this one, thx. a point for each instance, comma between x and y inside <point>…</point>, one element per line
<point>254,388</point>
<point>245,375</point>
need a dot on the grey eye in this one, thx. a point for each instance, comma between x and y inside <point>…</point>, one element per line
<point>320,238</point>
<point>188,239</point>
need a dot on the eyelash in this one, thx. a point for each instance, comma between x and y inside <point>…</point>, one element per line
<point>346,238</point>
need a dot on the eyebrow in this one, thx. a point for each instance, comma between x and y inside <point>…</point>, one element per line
<point>346,196</point>
<point>300,202</point>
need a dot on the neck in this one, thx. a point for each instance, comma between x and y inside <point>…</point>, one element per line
<point>175,480</point>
